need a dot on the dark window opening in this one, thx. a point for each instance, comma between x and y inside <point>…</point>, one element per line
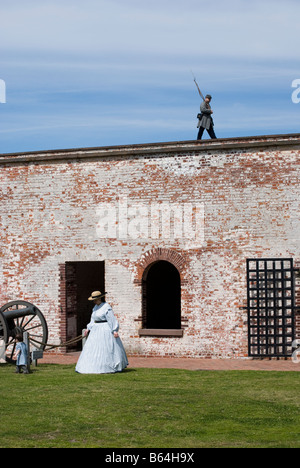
<point>162,297</point>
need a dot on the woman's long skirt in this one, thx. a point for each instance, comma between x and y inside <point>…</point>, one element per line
<point>102,353</point>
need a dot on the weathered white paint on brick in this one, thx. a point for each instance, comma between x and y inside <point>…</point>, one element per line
<point>49,215</point>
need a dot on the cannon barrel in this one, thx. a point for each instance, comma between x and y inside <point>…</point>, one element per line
<point>19,313</point>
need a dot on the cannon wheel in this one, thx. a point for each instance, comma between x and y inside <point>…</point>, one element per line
<point>3,329</point>
<point>33,322</point>
<point>3,334</point>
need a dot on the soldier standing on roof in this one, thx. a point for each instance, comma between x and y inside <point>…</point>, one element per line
<point>205,119</point>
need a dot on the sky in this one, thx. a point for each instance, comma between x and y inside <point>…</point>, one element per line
<point>97,73</point>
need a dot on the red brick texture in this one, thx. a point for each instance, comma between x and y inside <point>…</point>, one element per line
<point>70,206</point>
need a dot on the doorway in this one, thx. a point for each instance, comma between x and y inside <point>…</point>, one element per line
<point>82,278</point>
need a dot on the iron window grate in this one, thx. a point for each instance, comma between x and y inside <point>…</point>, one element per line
<point>270,304</point>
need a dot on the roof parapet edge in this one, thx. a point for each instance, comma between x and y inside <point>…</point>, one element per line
<point>153,148</point>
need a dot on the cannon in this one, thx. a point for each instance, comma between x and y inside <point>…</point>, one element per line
<point>19,317</point>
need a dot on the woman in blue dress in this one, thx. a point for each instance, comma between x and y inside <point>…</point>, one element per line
<point>103,352</point>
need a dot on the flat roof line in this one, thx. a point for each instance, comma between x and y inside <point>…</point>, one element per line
<point>262,141</point>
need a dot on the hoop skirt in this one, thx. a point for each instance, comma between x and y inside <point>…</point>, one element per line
<point>102,353</point>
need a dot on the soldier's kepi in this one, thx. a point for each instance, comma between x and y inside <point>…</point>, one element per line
<point>205,120</point>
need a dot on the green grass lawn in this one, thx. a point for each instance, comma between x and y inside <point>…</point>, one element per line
<point>151,408</point>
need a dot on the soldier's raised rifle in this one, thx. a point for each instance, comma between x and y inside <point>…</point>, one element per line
<point>198,86</point>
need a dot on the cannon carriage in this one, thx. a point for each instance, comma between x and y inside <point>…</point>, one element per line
<point>19,317</point>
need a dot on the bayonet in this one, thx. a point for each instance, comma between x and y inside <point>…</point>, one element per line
<point>199,91</point>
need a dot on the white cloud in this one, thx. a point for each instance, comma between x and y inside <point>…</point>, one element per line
<point>235,28</point>
<point>80,70</point>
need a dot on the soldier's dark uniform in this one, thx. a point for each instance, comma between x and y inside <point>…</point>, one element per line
<point>205,119</point>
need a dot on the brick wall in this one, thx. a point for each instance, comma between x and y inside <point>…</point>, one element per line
<point>111,205</point>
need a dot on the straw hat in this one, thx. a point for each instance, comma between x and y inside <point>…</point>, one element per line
<point>96,295</point>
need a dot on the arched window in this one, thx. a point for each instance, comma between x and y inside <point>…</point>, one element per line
<point>162,297</point>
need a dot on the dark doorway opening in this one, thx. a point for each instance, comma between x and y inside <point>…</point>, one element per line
<point>82,278</point>
<point>162,297</point>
